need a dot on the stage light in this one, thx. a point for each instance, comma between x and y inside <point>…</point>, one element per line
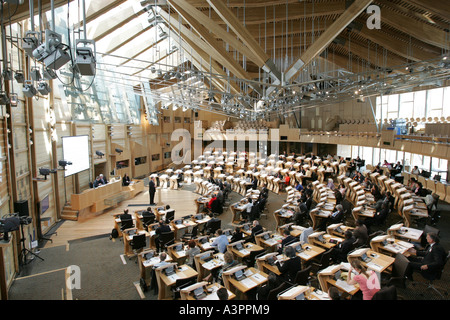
<point>99,153</point>
<point>28,89</point>
<point>85,59</point>
<point>119,150</point>
<point>30,42</point>
<point>4,100</point>
<point>20,78</point>
<point>49,74</point>
<point>44,88</point>
<point>51,52</point>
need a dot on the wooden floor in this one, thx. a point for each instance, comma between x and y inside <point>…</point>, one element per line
<point>180,200</point>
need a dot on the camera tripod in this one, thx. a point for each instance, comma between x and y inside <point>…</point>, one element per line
<point>23,253</point>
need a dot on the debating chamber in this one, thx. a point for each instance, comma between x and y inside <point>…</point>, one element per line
<point>239,150</point>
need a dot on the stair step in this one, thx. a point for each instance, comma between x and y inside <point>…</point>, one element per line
<point>69,215</point>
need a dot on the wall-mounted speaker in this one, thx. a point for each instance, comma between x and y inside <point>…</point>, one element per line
<point>22,208</point>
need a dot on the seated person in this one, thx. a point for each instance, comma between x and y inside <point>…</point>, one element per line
<point>290,267</point>
<point>148,215</point>
<point>415,170</point>
<point>97,182</point>
<point>125,215</point>
<point>220,242</point>
<point>429,261</point>
<point>256,229</point>
<point>379,216</point>
<point>339,252</point>
<point>126,180</point>
<point>360,234</point>
<point>335,217</point>
<point>162,228</point>
<point>102,179</point>
<point>237,235</point>
<point>287,239</point>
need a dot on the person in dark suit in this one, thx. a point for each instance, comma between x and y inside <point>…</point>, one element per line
<point>256,229</point>
<point>97,182</point>
<point>287,238</point>
<point>102,179</point>
<point>126,180</point>
<point>339,252</point>
<point>152,191</point>
<point>162,228</point>
<point>237,235</point>
<point>290,267</point>
<point>335,217</point>
<point>429,261</point>
<point>360,234</point>
<point>125,215</point>
<point>148,215</point>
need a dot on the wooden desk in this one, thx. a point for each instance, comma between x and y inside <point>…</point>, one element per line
<point>326,279</point>
<point>181,228</point>
<point>283,216</point>
<point>333,229</point>
<point>401,232</point>
<point>330,241</point>
<point>201,223</point>
<point>128,251</point>
<point>152,233</point>
<point>117,222</point>
<point>146,264</point>
<point>379,262</point>
<point>200,204</point>
<point>254,278</point>
<point>178,256</point>
<point>98,199</point>
<point>268,241</point>
<point>390,246</point>
<point>294,293</point>
<point>210,291</point>
<point>310,251</point>
<point>245,252</point>
<point>204,268</point>
<point>236,211</point>
<point>166,282</point>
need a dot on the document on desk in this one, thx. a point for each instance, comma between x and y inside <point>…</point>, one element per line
<point>258,278</point>
<point>374,267</point>
<point>271,241</point>
<point>213,264</point>
<point>173,277</point>
<point>345,286</point>
<point>304,255</point>
<point>207,246</point>
<point>248,283</point>
<point>244,251</point>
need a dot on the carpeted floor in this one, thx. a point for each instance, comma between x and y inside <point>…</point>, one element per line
<point>105,276</point>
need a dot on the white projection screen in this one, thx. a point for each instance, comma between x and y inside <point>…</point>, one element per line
<point>76,150</point>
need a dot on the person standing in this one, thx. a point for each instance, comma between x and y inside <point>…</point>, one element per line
<point>152,191</point>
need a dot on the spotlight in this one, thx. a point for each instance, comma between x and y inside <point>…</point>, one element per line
<point>44,88</point>
<point>51,52</point>
<point>85,60</point>
<point>4,100</point>
<point>49,74</point>
<point>28,89</point>
<point>20,78</point>
<point>7,74</point>
<point>35,74</point>
<point>119,150</point>
<point>30,42</point>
